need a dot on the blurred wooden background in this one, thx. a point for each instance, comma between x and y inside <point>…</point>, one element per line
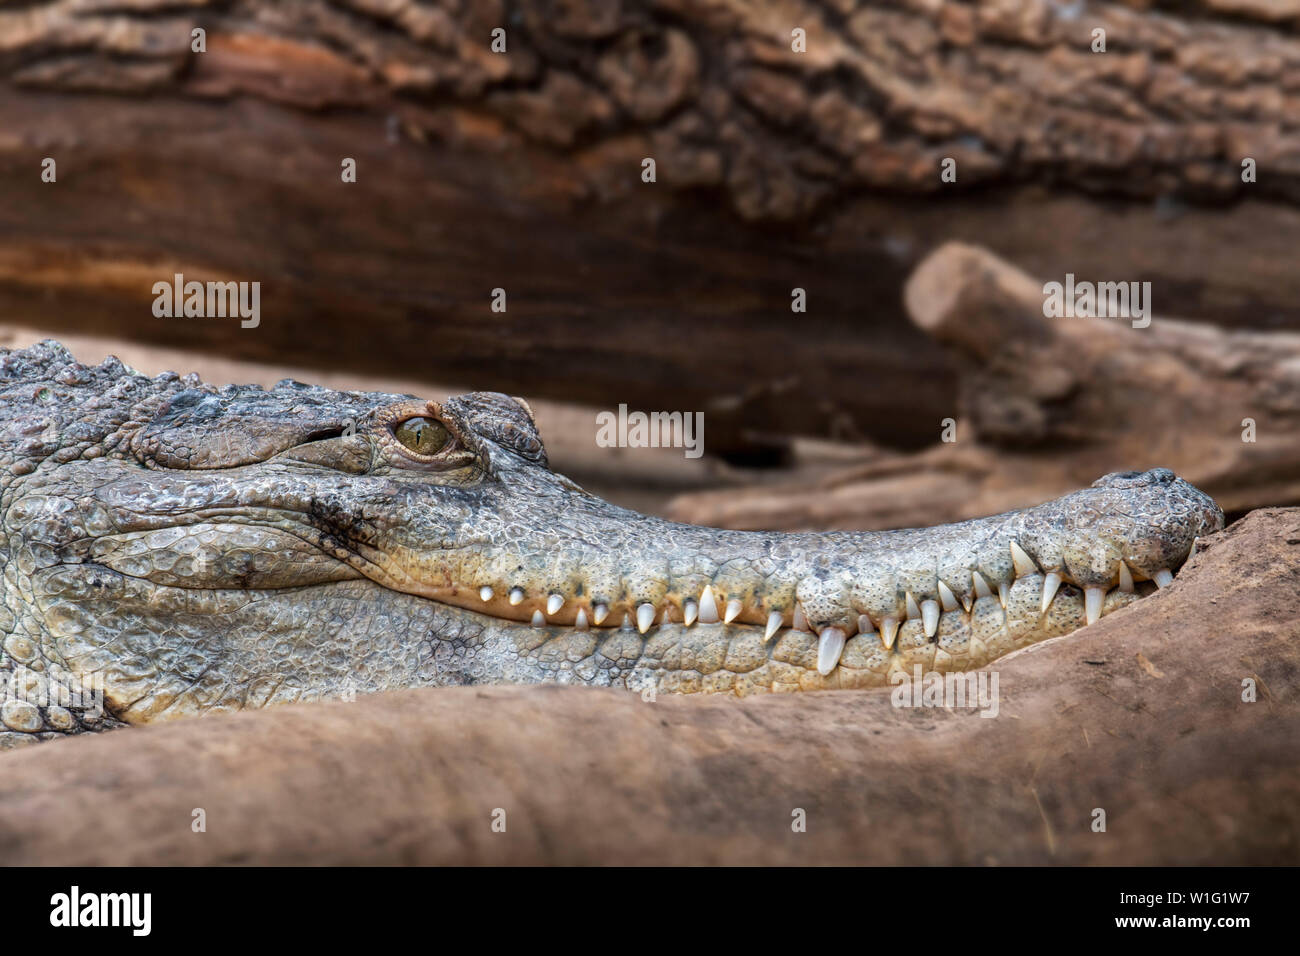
<point>775,170</point>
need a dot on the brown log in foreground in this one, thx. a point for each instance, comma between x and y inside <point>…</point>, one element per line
<point>1048,405</point>
<point>775,170</point>
<point>1140,714</point>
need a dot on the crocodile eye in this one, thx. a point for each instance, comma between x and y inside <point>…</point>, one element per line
<point>424,436</point>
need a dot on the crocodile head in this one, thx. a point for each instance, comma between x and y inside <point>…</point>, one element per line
<point>197,548</point>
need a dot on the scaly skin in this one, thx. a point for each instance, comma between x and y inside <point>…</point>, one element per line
<point>195,549</point>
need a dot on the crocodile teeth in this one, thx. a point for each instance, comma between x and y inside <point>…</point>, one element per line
<point>690,611</point>
<point>554,603</point>
<point>1051,582</point>
<point>799,622</point>
<point>665,618</point>
<point>599,612</point>
<point>865,625</point>
<point>913,609</point>
<point>1004,591</point>
<point>1023,562</point>
<point>708,606</point>
<point>539,619</point>
<point>580,620</point>
<point>774,621</point>
<point>888,631</point>
<point>1163,578</point>
<point>829,646</point>
<point>734,607</point>
<point>627,621</point>
<point>645,616</point>
<point>930,617</point>
<point>981,586</point>
<point>1125,578</point>
<point>516,596</point>
<point>485,593</point>
<point>946,596</point>
<point>1092,598</point>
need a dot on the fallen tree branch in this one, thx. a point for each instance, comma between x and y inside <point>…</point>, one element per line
<point>1048,405</point>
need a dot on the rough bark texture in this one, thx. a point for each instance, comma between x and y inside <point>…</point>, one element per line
<point>775,170</point>
<point>1140,715</point>
<point>1050,404</point>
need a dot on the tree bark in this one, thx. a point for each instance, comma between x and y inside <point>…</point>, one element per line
<point>776,170</point>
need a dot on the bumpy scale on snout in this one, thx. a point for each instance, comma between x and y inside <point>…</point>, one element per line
<point>197,549</point>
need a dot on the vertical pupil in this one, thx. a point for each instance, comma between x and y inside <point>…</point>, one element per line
<point>422,435</point>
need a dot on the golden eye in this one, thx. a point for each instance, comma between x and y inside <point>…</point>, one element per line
<point>424,436</point>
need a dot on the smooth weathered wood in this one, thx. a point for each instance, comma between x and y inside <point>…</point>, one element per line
<point>1050,404</point>
<point>776,170</point>
<point>1140,714</point>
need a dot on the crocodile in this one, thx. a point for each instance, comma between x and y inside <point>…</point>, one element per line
<point>172,548</point>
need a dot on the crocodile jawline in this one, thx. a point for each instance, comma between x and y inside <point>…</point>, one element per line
<point>194,548</point>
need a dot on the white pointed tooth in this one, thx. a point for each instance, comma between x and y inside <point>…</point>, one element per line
<point>1092,598</point>
<point>930,617</point>
<point>539,619</point>
<point>1004,591</point>
<point>913,609</point>
<point>734,607</point>
<point>829,645</point>
<point>580,619</point>
<point>516,596</point>
<point>865,624</point>
<point>774,622</point>
<point>981,586</point>
<point>627,621</point>
<point>947,598</point>
<point>645,616</point>
<point>799,623</point>
<point>599,612</point>
<point>690,611</point>
<point>1163,578</point>
<point>968,601</point>
<point>888,631</point>
<point>708,606</point>
<point>665,617</point>
<point>1023,562</point>
<point>554,603</point>
<point>1125,578</point>
<point>1051,582</point>
<point>485,593</point>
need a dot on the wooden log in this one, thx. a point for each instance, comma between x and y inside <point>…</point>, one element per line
<point>603,777</point>
<point>776,170</point>
<point>1048,405</point>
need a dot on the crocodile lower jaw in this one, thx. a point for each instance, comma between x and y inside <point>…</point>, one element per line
<point>943,635</point>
